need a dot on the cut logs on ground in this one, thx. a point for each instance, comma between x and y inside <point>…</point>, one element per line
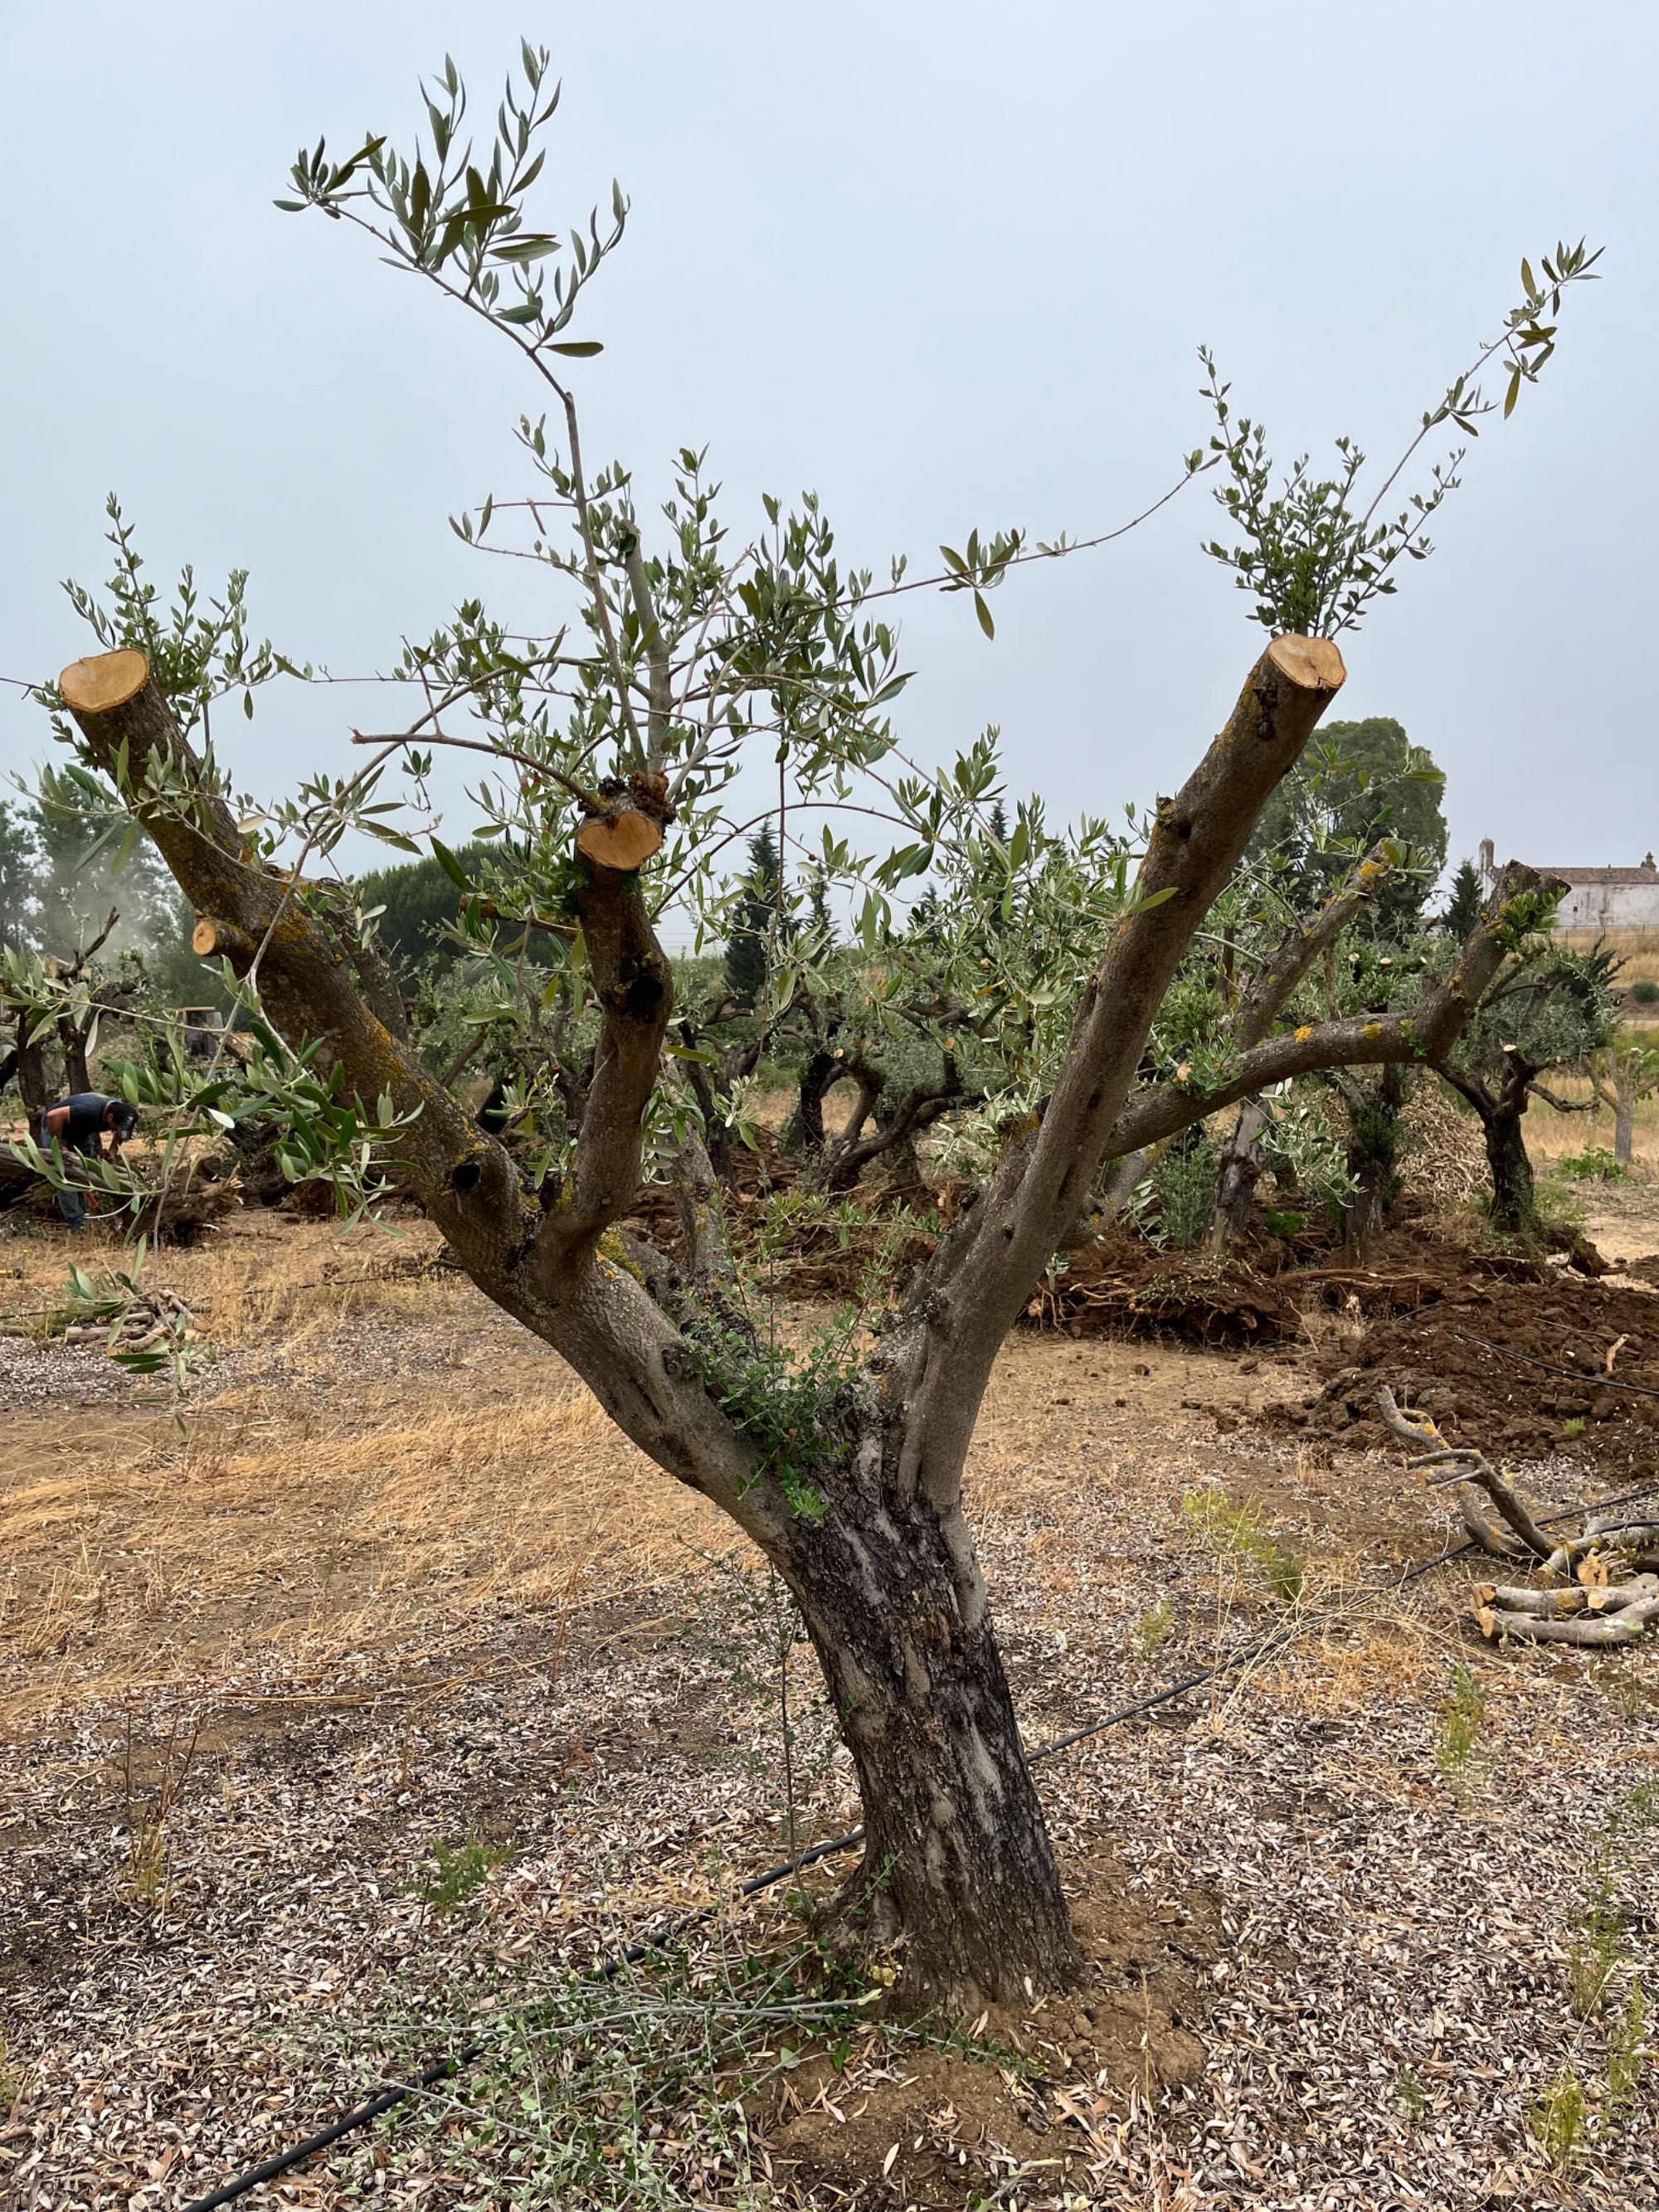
<point>1604,1583</point>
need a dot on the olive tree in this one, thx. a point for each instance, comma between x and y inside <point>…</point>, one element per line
<point>608,750</point>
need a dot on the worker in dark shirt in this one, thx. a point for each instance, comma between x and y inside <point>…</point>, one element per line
<point>80,1124</point>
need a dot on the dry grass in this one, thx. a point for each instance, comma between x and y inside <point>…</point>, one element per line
<point>1551,1136</point>
<point>391,1454</point>
<point>1638,950</point>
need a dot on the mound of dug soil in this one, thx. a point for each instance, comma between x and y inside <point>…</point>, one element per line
<point>1524,1368</point>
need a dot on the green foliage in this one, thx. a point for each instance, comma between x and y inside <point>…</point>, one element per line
<point>414,902</point>
<point>1311,558</point>
<point>755,920</point>
<point>456,1875</point>
<point>1460,1758</point>
<point>1644,991</point>
<point>1596,1164</point>
<point>198,651</point>
<point>1548,1007</point>
<point>1560,2119</point>
<point>795,1407</point>
<point>1409,2095</point>
<point>1598,1929</point>
<point>626,2093</point>
<point>1573,1428</point>
<point>1240,1532</point>
<point>1463,907</point>
<point>1152,1630</point>
<point>1628,2053</point>
<point>1357,783</point>
<point>1183,1181</point>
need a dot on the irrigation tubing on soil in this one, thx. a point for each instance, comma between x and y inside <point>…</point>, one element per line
<point>442,2070</point>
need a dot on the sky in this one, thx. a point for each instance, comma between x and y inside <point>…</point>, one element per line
<point>948,265</point>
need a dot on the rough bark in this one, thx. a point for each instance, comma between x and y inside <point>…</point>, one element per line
<point>803,1134</point>
<point>1624,1116</point>
<point>843,1159</point>
<point>1514,1207</point>
<point>880,1559</point>
<point>894,1599</point>
<point>1237,1174</point>
<point>938,1359</point>
<point>1374,1110</point>
<point>29,1070</point>
<point>958,1856</point>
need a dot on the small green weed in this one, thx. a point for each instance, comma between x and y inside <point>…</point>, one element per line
<point>1574,1427</point>
<point>1151,1631</point>
<point>1409,2095</point>
<point>1284,1224</point>
<point>1239,1532</point>
<point>1627,2053</point>
<point>1596,1164</point>
<point>1184,1180</point>
<point>1560,2119</point>
<point>459,1874</point>
<point>626,2094</point>
<point>1460,1758</point>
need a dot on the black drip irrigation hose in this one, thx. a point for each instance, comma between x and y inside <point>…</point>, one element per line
<point>442,2070</point>
<point>1545,1367</point>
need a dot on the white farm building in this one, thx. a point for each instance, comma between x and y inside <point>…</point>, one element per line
<point>1599,901</point>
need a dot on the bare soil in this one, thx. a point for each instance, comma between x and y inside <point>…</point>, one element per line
<point>393,1584</point>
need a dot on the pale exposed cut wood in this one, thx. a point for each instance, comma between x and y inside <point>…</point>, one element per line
<point>1596,1597</point>
<point>1464,1465</point>
<point>625,840</point>
<point>1313,662</point>
<point>1515,1597</point>
<point>103,680</point>
<point>204,938</point>
<point>1622,1627</point>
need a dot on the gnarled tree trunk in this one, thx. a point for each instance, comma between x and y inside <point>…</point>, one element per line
<point>803,1132</point>
<point>1237,1175</point>
<point>1514,1207</point>
<point>957,1858</point>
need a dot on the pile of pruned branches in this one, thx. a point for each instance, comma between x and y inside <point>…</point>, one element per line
<point>1600,1587</point>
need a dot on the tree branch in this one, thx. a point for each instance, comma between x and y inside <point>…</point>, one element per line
<point>656,654</point>
<point>634,987</point>
<point>970,1295</point>
<point>1275,983</point>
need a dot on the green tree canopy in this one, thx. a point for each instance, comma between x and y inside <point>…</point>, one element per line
<point>1464,908</point>
<point>19,862</point>
<point>753,920</point>
<point>1358,781</point>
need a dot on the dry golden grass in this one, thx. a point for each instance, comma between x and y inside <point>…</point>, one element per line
<point>1638,949</point>
<point>1551,1136</point>
<point>322,1504</point>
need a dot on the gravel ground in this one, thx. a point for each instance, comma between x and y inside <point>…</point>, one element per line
<point>1384,1996</point>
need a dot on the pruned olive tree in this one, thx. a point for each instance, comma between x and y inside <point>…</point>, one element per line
<point>608,750</point>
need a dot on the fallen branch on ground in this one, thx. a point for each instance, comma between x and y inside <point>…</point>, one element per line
<point>1602,1592</point>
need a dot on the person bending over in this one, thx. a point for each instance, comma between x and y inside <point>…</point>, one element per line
<point>80,1124</point>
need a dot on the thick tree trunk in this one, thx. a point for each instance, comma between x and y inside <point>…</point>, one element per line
<point>803,1132</point>
<point>1624,1116</point>
<point>33,1087</point>
<point>78,1076</point>
<point>1513,1207</point>
<point>957,1859</point>
<point>1374,1109</point>
<point>1238,1173</point>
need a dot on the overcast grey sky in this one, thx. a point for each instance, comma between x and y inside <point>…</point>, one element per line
<point>948,265</point>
